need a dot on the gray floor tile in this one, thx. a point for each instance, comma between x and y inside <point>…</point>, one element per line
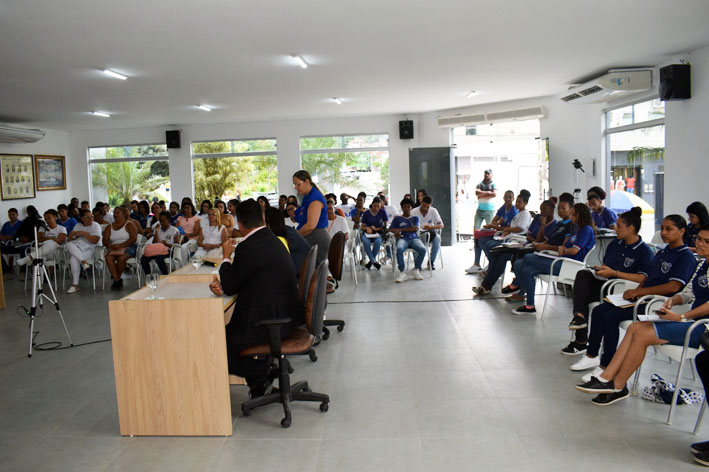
<point>249,455</point>
<point>370,454</point>
<point>499,453</point>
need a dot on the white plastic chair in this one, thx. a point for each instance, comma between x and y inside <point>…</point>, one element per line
<point>95,260</point>
<point>567,274</point>
<point>52,262</point>
<point>350,248</point>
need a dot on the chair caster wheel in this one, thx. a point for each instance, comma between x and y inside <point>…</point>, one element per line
<point>340,328</point>
<point>290,369</point>
<point>324,407</point>
<point>245,412</point>
<point>285,422</point>
<point>325,336</point>
<point>313,356</point>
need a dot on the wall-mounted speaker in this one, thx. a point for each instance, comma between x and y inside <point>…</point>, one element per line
<point>675,82</point>
<point>406,129</point>
<point>172,138</point>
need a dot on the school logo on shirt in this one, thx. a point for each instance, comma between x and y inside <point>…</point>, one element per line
<point>666,266</point>
<point>702,281</point>
<point>628,262</point>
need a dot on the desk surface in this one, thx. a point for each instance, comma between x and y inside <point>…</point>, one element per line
<point>190,270</point>
<point>173,288</point>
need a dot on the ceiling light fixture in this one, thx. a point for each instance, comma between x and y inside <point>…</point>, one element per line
<point>115,75</point>
<point>471,93</point>
<point>100,113</point>
<point>337,100</point>
<point>204,107</point>
<point>301,62</point>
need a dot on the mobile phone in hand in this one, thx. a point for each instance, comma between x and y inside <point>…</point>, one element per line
<point>660,312</point>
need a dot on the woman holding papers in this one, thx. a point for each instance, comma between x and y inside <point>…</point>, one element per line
<point>627,257</point>
<point>671,328</point>
<point>670,270</point>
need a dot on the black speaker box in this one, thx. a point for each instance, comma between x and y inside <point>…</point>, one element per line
<point>675,82</point>
<point>172,138</point>
<point>406,129</point>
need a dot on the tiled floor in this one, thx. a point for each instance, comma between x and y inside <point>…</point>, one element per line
<point>423,378</point>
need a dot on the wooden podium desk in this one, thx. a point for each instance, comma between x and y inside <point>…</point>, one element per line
<point>170,360</point>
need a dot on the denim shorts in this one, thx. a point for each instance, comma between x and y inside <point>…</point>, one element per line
<point>674,332</point>
<point>130,251</point>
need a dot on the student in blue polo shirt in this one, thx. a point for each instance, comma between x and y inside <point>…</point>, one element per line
<point>10,227</point>
<point>502,220</point>
<point>64,219</point>
<point>575,247</point>
<point>627,257</point>
<point>670,270</point>
<point>405,229</point>
<point>611,383</point>
<point>374,223</point>
<point>603,217</point>
<point>698,217</point>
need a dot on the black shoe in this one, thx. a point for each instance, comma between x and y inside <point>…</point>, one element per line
<point>120,284</point>
<point>574,349</point>
<point>700,447</point>
<point>596,385</point>
<point>433,267</point>
<point>262,389</point>
<point>114,285</point>
<point>606,399</point>
<point>369,265</point>
<point>578,322</point>
<point>377,265</point>
<point>523,310</point>
<point>702,457</point>
<point>509,289</point>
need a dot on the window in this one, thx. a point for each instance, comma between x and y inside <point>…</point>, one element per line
<point>351,163</point>
<point>133,172</point>
<point>235,168</point>
<point>635,143</point>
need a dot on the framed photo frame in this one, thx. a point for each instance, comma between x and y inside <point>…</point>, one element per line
<point>50,172</point>
<point>16,176</point>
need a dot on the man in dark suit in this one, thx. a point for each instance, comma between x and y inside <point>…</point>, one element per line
<point>263,276</point>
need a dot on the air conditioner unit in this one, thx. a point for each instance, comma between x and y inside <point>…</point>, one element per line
<point>615,84</point>
<point>12,134</point>
<point>486,118</point>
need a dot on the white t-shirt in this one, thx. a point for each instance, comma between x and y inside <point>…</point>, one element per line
<point>53,233</point>
<point>391,212</point>
<point>291,223</point>
<point>347,208</point>
<point>430,218</point>
<point>338,224</point>
<point>93,230</point>
<point>521,220</point>
<point>109,217</point>
<point>171,234</point>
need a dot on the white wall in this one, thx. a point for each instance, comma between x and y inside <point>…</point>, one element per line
<point>54,143</point>
<point>687,140</point>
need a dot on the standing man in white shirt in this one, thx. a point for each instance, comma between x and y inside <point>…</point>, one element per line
<point>430,220</point>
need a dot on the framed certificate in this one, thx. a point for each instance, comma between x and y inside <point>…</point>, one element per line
<point>16,176</point>
<point>50,172</point>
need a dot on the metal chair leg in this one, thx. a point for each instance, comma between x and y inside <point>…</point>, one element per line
<point>701,415</point>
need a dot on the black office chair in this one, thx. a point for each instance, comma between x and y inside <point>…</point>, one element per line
<point>306,272</point>
<point>299,342</point>
<point>335,257</point>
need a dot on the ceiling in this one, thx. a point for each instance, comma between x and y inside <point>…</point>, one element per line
<point>383,56</point>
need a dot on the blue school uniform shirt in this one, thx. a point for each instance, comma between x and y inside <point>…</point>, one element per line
<point>549,228</point>
<point>68,224</point>
<point>507,215</point>
<point>605,218</point>
<point>8,229</point>
<point>400,222</point>
<point>671,264</point>
<point>634,259</point>
<point>377,221</point>
<point>562,230</point>
<point>301,214</point>
<point>690,235</point>
<point>700,287</point>
<point>582,239</point>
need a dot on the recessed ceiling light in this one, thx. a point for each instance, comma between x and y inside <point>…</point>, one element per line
<point>100,113</point>
<point>337,100</point>
<point>300,61</point>
<point>115,75</point>
<point>204,107</point>
<point>470,94</point>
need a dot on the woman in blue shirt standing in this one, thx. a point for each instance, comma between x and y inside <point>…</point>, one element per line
<point>311,216</point>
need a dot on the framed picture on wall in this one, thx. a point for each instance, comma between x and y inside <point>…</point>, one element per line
<point>50,172</point>
<point>16,176</point>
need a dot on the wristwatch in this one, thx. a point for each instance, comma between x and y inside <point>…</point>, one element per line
<point>682,317</point>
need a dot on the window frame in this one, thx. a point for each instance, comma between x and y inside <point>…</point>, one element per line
<point>274,152</point>
<point>166,157</point>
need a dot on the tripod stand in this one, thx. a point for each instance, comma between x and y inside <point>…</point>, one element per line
<point>39,276</point>
<point>577,167</point>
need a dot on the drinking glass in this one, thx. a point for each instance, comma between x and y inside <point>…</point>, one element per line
<point>153,280</point>
<point>196,262</point>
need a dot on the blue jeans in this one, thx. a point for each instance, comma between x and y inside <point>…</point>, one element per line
<point>483,215</point>
<point>528,268</point>
<point>496,268</point>
<point>367,244</point>
<point>435,246</point>
<point>479,244</point>
<point>605,325</point>
<point>415,244</point>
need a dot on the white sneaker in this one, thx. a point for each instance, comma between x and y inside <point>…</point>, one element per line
<point>401,277</point>
<point>473,269</point>
<point>586,363</point>
<point>23,260</point>
<point>85,265</point>
<point>594,373</point>
<point>417,274</point>
<point>72,289</point>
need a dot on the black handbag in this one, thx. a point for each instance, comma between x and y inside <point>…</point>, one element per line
<point>704,340</point>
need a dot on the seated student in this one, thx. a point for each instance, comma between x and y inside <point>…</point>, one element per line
<point>82,241</point>
<point>98,218</point>
<point>133,210</point>
<point>291,199</point>
<point>265,280</point>
<point>290,210</point>
<point>231,207</point>
<point>119,240</point>
<point>540,229</point>
<point>698,218</point>
<point>335,223</point>
<point>64,219</point>
<point>104,211</point>
<point>611,383</point>
<point>189,221</point>
<point>25,233</point>
<point>282,200</point>
<point>575,247</point>
<point>337,210</point>
<point>85,205</point>
<point>627,257</point>
<point>388,209</point>
<point>344,206</point>
<point>405,228</point>
<point>430,221</point>
<point>296,244</point>
<point>141,218</point>
<point>358,210</point>
<point>501,220</point>
<point>174,210</point>
<point>153,220</point>
<point>374,224</point>
<point>204,212</point>
<point>164,234</point>
<point>225,218</point>
<point>420,193</point>
<point>212,235</point>
<point>670,270</point>
<point>603,217</point>
<point>50,239</point>
<point>10,227</point>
